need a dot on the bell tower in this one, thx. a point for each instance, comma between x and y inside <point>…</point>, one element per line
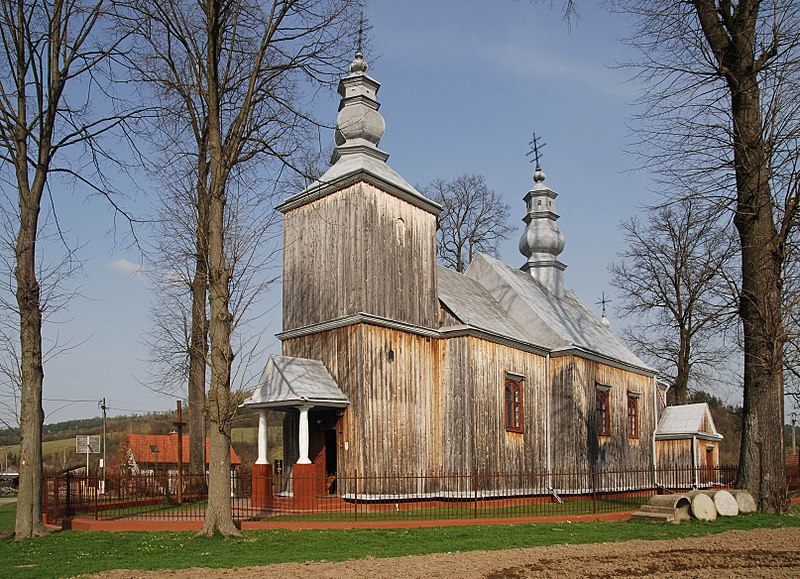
<point>360,242</point>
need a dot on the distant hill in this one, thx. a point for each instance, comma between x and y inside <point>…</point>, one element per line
<point>58,446</point>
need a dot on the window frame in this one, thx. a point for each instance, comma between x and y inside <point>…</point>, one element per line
<point>633,417</point>
<point>603,424</point>
<point>514,410</point>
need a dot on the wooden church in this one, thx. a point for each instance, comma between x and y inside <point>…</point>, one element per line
<point>393,365</point>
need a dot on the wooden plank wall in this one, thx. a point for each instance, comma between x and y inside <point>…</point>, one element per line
<point>575,442</point>
<point>674,452</point>
<point>359,250</point>
<point>473,403</point>
<point>393,423</point>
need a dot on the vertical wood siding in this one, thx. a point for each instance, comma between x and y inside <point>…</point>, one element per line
<point>392,425</point>
<point>473,389</point>
<point>674,453</point>
<point>359,250</point>
<point>575,442</point>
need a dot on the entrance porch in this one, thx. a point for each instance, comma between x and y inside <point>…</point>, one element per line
<point>312,402</point>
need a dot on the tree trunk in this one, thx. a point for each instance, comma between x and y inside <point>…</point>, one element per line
<point>199,334</point>
<point>29,500</point>
<point>219,517</point>
<point>761,464</point>
<point>683,369</point>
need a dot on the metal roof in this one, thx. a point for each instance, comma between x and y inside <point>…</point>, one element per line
<point>288,381</point>
<point>360,165</point>
<point>686,419</point>
<point>547,320</point>
<point>475,306</point>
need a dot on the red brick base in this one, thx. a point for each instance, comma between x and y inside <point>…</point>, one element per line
<point>303,486</point>
<point>261,496</point>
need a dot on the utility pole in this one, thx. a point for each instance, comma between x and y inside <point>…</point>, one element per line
<point>179,424</point>
<point>103,480</point>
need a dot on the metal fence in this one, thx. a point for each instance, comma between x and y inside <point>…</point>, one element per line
<point>369,498</point>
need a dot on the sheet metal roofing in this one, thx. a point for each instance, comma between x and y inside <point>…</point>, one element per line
<point>359,165</point>
<point>686,419</point>
<point>163,448</point>
<point>516,305</point>
<point>475,306</point>
<point>288,381</point>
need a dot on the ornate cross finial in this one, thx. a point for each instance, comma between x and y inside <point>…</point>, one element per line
<point>603,301</point>
<point>536,150</point>
<point>360,45</point>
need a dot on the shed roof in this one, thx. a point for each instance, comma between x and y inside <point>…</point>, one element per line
<point>163,449</point>
<point>288,381</point>
<point>686,420</point>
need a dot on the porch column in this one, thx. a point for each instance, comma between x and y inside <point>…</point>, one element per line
<point>303,435</point>
<point>262,437</point>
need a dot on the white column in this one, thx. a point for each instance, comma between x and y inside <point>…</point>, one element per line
<point>262,437</point>
<point>303,436</point>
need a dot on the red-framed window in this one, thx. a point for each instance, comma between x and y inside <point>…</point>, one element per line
<point>603,410</point>
<point>515,420</point>
<point>633,416</point>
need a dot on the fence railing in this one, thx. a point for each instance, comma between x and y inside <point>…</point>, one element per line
<point>367,498</point>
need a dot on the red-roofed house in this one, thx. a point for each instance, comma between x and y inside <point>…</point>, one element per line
<point>158,453</point>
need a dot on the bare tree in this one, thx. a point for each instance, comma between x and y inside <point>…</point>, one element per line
<point>178,339</point>
<point>46,47</point>
<point>473,219</point>
<point>721,118</point>
<point>234,72</point>
<point>791,308</point>
<point>677,291</point>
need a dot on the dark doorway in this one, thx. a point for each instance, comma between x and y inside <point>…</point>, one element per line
<point>710,463</point>
<point>323,444</point>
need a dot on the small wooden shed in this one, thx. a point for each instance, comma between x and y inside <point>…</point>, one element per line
<point>686,435</point>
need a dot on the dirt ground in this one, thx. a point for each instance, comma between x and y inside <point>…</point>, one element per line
<point>759,553</point>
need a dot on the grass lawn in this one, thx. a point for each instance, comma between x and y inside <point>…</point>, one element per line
<point>70,553</point>
<point>8,514</point>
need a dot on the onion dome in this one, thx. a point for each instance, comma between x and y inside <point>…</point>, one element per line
<point>359,126</point>
<point>542,241</point>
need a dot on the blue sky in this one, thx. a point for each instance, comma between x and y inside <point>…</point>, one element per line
<point>464,85</point>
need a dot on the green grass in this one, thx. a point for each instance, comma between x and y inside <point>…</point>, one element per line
<point>8,514</point>
<point>71,553</point>
<point>467,511</point>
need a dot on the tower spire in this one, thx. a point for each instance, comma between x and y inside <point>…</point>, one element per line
<point>542,241</point>
<point>359,126</point>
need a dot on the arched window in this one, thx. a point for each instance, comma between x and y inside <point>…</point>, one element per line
<point>514,407</point>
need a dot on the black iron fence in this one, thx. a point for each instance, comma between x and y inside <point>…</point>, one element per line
<point>371,498</point>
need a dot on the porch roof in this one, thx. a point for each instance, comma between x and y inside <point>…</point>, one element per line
<point>291,382</point>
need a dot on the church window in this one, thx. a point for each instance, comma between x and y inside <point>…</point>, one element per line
<point>603,410</point>
<point>513,405</point>
<point>633,415</point>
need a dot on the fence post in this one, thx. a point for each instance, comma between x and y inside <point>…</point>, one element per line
<point>355,494</point>
<point>594,489</point>
<point>96,496</point>
<point>68,506</point>
<point>474,494</point>
<point>45,499</point>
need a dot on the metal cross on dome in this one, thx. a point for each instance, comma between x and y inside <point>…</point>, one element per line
<point>602,302</point>
<point>363,28</point>
<point>536,149</point>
